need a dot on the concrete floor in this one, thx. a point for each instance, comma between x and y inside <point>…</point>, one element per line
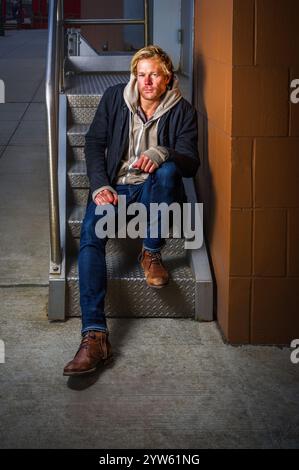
<point>174,383</point>
<point>24,249</point>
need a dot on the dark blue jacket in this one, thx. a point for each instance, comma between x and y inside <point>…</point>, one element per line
<point>108,138</point>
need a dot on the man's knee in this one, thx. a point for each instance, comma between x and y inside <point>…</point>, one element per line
<point>167,174</point>
<point>88,230</point>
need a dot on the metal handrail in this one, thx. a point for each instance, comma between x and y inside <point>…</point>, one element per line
<point>60,20</point>
<point>93,21</point>
<point>52,82</point>
<point>54,85</point>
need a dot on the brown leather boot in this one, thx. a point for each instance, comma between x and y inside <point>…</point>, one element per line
<point>94,350</point>
<point>155,273</point>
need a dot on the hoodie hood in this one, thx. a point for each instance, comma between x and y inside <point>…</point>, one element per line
<point>169,99</point>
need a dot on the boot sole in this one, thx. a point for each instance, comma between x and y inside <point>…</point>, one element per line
<point>157,287</point>
<point>106,362</point>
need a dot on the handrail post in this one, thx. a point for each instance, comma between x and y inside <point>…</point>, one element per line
<point>52,128</point>
<point>61,40</point>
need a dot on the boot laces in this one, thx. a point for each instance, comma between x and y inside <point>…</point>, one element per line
<point>85,341</point>
<point>155,257</point>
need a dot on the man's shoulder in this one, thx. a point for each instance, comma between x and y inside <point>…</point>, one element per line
<point>186,105</point>
<point>115,90</point>
<point>183,107</point>
<point>112,97</point>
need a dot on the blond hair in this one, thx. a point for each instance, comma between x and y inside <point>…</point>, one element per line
<point>153,52</point>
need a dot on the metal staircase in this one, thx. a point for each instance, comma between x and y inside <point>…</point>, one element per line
<point>190,291</point>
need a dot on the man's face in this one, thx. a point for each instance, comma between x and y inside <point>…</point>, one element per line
<point>152,81</point>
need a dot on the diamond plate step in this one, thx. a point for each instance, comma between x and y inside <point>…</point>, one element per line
<point>81,115</point>
<point>75,219</point>
<point>76,134</point>
<point>78,197</point>
<point>76,154</point>
<point>83,101</point>
<point>86,90</point>
<point>134,298</point>
<point>77,175</point>
<point>127,247</point>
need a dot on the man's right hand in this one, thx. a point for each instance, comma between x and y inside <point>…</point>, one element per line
<point>106,197</point>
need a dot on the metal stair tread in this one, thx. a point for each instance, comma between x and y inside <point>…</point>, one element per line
<point>76,153</point>
<point>83,101</point>
<point>81,114</point>
<point>94,83</point>
<point>119,268</point>
<point>76,214</point>
<point>77,168</point>
<point>78,129</point>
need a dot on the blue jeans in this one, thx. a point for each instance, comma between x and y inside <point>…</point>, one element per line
<point>164,185</point>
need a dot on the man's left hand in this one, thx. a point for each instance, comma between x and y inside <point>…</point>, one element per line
<point>145,164</point>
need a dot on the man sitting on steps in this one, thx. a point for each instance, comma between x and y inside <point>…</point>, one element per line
<point>142,141</point>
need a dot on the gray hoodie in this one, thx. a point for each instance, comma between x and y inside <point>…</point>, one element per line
<point>143,134</point>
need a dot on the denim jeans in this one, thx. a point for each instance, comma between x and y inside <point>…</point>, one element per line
<point>163,185</point>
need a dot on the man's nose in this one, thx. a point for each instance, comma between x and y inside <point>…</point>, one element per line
<point>148,79</point>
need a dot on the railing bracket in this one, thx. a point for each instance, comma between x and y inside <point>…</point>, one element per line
<point>55,268</point>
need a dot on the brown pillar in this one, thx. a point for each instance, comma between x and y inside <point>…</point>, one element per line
<point>246,52</point>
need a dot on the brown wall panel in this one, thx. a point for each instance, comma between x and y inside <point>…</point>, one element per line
<point>218,165</point>
<point>243,30</point>
<point>246,53</point>
<point>269,242</point>
<point>293,242</point>
<point>241,242</point>
<point>260,101</point>
<point>274,317</point>
<point>239,310</point>
<point>242,154</point>
<point>214,94</point>
<point>277,38</point>
<point>276,172</point>
<point>214,33</point>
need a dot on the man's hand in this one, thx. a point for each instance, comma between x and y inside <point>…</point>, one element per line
<point>106,197</point>
<point>145,164</point>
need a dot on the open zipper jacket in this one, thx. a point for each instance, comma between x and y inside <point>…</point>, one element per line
<point>109,144</point>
